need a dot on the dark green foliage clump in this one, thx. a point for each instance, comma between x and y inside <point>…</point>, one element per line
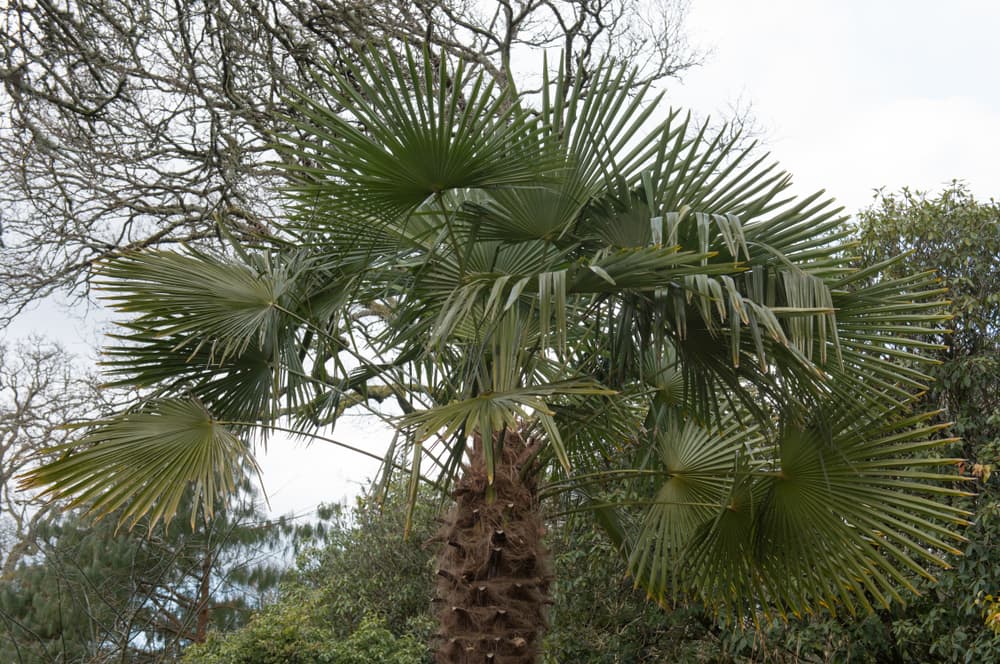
<point>292,632</point>
<point>363,596</point>
<point>959,238</point>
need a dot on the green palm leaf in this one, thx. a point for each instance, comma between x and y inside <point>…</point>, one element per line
<point>194,294</point>
<point>402,145</point>
<point>221,328</point>
<point>836,512</point>
<point>698,467</point>
<point>144,462</point>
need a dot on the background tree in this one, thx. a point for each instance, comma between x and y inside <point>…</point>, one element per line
<point>90,592</point>
<point>137,124</point>
<point>959,238</point>
<point>42,387</point>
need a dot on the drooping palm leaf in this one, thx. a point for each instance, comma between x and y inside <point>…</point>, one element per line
<point>832,513</point>
<point>144,462</point>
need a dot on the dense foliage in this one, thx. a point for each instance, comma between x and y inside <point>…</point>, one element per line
<point>367,589</point>
<point>959,238</point>
<point>598,616</point>
<point>88,591</point>
<point>954,619</point>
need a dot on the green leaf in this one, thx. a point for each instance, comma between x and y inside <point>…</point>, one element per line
<point>836,512</point>
<point>144,461</point>
<point>408,142</point>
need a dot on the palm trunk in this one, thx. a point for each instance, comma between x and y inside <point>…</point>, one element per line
<point>493,573</point>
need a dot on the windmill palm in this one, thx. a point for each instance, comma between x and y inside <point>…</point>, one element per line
<point>561,297</point>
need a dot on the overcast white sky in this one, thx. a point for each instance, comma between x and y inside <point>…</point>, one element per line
<point>856,95</point>
<point>851,96</point>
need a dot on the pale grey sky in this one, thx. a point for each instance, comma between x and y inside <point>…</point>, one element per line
<point>856,95</point>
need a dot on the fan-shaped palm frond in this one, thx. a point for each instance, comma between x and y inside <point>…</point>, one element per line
<point>399,146</point>
<point>229,332</point>
<point>143,462</point>
<point>829,512</point>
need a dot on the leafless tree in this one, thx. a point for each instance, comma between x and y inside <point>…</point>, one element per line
<point>137,123</point>
<point>41,389</point>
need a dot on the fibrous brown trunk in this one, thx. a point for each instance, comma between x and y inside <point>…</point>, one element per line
<point>493,574</point>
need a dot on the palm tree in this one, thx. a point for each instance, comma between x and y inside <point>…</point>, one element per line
<point>562,296</point>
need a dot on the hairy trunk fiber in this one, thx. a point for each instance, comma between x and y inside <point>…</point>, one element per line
<point>493,575</point>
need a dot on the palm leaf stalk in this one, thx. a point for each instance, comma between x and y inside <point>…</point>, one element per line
<point>562,296</point>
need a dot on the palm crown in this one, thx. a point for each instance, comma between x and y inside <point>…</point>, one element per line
<point>642,302</point>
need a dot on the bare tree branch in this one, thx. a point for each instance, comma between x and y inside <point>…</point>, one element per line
<point>135,123</point>
<point>41,389</point>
